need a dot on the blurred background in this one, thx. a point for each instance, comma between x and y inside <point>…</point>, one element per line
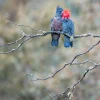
<point>38,57</point>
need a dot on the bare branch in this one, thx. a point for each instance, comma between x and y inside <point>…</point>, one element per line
<point>85,52</point>
<point>44,33</point>
<point>71,88</point>
<point>22,25</point>
<point>19,45</point>
<point>16,41</point>
<point>87,35</point>
<point>71,63</point>
<point>32,36</point>
<point>83,76</point>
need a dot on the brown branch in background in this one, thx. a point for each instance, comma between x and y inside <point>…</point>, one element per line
<point>71,63</point>
<point>22,25</point>
<point>85,52</point>
<point>83,76</point>
<point>70,90</point>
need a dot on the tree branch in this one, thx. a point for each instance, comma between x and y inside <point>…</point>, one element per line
<point>69,91</point>
<point>37,35</point>
<point>85,52</point>
<point>70,63</point>
<point>44,33</point>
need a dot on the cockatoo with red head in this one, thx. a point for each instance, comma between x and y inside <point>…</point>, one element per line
<point>67,28</point>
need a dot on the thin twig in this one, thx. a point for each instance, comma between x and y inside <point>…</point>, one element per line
<point>85,52</point>
<point>14,42</point>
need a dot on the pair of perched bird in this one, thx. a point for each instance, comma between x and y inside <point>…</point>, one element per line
<point>62,22</point>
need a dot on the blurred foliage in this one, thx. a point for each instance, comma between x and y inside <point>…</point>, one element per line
<point>39,58</point>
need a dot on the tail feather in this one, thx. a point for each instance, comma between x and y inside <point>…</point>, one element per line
<point>55,39</point>
<point>67,42</point>
<point>54,43</point>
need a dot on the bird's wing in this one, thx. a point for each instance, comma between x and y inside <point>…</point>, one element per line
<point>71,28</point>
<point>52,24</point>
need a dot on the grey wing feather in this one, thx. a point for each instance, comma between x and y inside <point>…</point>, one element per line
<point>68,27</point>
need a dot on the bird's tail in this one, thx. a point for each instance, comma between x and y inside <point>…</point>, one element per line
<point>55,39</point>
<point>67,42</point>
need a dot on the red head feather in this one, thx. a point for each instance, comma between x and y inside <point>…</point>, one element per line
<point>66,14</point>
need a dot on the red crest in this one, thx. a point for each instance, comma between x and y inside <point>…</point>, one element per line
<point>66,14</point>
